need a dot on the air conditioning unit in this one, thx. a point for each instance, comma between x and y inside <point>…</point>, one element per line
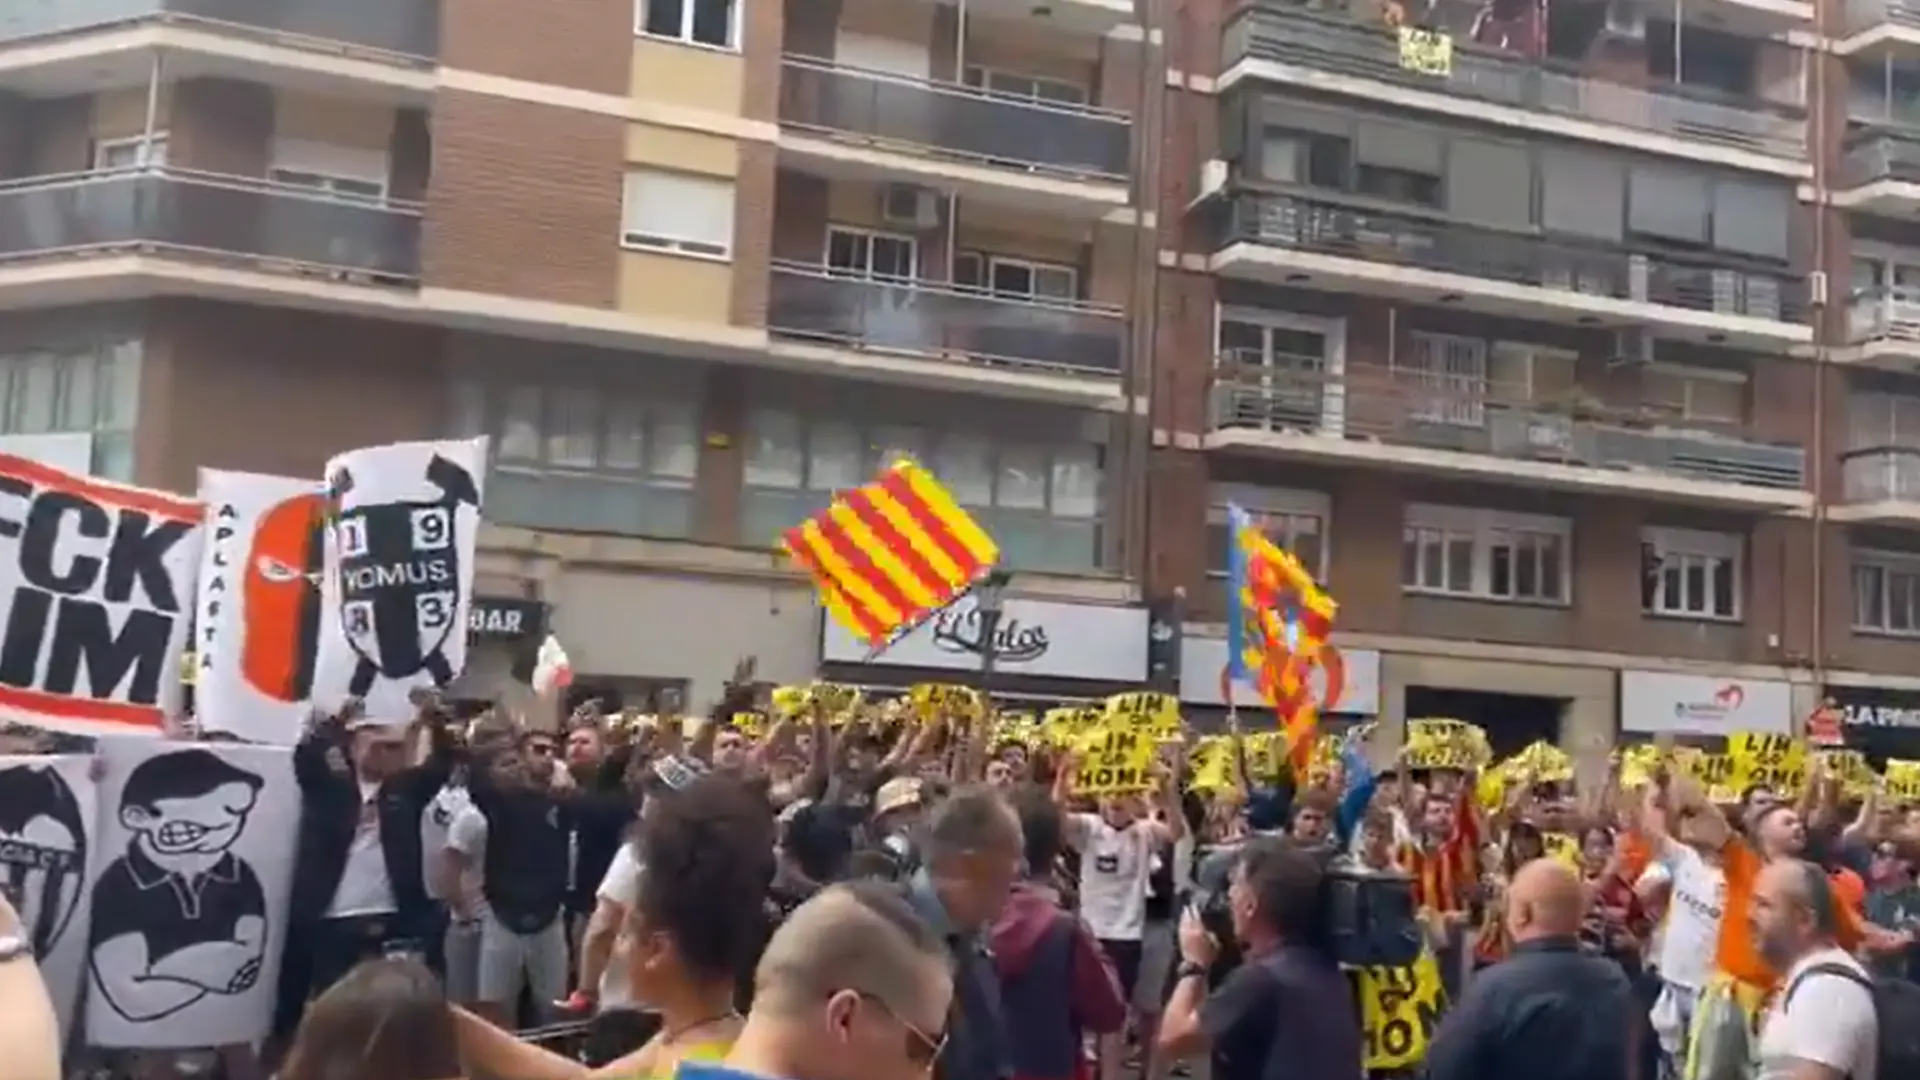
<point>1633,345</point>
<point>1817,288</point>
<point>909,207</point>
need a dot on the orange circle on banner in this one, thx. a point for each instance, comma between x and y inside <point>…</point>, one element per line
<point>1329,661</point>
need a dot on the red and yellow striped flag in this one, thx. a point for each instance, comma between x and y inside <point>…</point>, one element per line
<point>887,554</point>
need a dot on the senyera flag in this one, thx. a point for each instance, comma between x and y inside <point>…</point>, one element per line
<point>1278,623</point>
<point>889,553</point>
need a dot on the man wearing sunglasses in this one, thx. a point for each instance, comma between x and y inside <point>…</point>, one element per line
<point>853,986</point>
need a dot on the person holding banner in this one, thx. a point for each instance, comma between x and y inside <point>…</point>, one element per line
<point>28,1027</point>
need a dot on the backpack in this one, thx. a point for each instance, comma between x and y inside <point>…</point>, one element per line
<point>1896,1007</point>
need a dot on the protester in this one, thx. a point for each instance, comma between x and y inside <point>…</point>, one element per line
<point>28,1027</point>
<point>1822,1022</point>
<point>971,855</point>
<point>386,1018</point>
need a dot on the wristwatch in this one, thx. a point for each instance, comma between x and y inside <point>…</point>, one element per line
<point>14,947</point>
<point>1190,970</point>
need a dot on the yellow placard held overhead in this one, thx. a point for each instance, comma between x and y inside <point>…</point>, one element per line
<point>1399,1009</point>
<point>1144,711</point>
<point>1429,52</point>
<point>1778,762</point>
<point>1115,761</point>
<point>1903,781</point>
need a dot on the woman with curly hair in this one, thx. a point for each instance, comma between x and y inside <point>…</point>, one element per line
<point>698,919</point>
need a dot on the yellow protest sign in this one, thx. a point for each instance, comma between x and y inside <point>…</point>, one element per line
<point>1850,767</point>
<point>933,699</point>
<point>1114,761</point>
<point>1778,762</point>
<point>1903,781</point>
<point>1211,765</point>
<point>1429,52</point>
<point>1562,846</point>
<point>1158,714</point>
<point>1064,726</point>
<point>1637,765</point>
<point>1545,763</point>
<point>749,722</point>
<point>1437,743</point>
<point>1399,1008</point>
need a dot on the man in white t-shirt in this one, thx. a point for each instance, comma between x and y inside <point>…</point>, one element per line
<point>1821,1024</point>
<point>1688,935</point>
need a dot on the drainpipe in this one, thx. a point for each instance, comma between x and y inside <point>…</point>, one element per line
<point>1139,359</point>
<point>1823,159</point>
<point>151,122</point>
<point>953,200</point>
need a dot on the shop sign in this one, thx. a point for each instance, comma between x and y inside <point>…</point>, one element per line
<point>1043,638</point>
<point>505,618</point>
<point>1358,692</point>
<point>1664,702</point>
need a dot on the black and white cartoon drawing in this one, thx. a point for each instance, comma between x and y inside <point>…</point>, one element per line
<point>178,916</point>
<point>399,575</point>
<point>43,851</point>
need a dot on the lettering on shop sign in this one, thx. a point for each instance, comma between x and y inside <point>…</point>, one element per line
<point>961,632</point>
<point>1881,716</point>
<point>496,622</point>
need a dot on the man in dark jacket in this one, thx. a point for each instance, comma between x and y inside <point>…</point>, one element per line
<point>971,856</point>
<point>1056,984</point>
<point>1550,1011</point>
<point>358,885</point>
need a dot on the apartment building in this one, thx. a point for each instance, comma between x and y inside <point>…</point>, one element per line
<point>1515,322</point>
<point>692,265</point>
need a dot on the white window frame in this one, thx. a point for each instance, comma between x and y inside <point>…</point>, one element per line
<point>1885,564</point>
<point>1485,529</point>
<point>153,157</point>
<point>1270,507</point>
<point>980,77</point>
<point>1034,267</point>
<point>668,239</point>
<point>685,35</point>
<point>1684,549</point>
<point>912,243</point>
<point>1691,377</point>
<point>321,166</point>
<point>1458,374</point>
<point>1333,330</point>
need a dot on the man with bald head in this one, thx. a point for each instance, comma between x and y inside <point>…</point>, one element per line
<point>1821,1025</point>
<point>1550,1011</point>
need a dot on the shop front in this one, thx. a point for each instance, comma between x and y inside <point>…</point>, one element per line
<point>1043,650</point>
<point>503,636</point>
<point>1702,710</point>
<point>1347,687</point>
<point>1881,722</point>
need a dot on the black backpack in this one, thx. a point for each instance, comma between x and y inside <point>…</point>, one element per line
<point>1896,1007</point>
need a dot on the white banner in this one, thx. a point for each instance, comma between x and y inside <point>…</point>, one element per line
<point>189,892</point>
<point>1666,702</point>
<point>258,621</point>
<point>47,832</point>
<point>399,572</point>
<point>95,579</point>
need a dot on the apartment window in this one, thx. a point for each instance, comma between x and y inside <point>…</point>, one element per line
<point>1019,279</point>
<point>1886,593</point>
<point>677,212</point>
<point>1448,375</point>
<point>1690,574</point>
<point>1295,520</point>
<point>1031,87</point>
<point>347,173</point>
<point>586,457</point>
<point>1520,371</point>
<point>130,153</point>
<point>868,254</point>
<point>87,388</point>
<point>1486,554</point>
<point>1039,500</point>
<point>1306,157</point>
<point>1399,162</point>
<point>1702,395</point>
<point>694,22</point>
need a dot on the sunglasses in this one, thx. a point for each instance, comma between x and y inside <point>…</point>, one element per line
<point>923,1049</point>
<point>540,749</point>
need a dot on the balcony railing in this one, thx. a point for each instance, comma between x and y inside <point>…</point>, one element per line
<point>1451,412</point>
<point>955,121</point>
<point>402,28</point>
<point>1884,314</point>
<point>929,319</point>
<point>1360,50</point>
<point>204,216</point>
<point>1881,155</point>
<point>1405,240</point>
<point>1881,474</point>
<point>1867,14</point>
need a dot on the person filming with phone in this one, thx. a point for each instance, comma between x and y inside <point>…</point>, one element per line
<point>1285,1012</point>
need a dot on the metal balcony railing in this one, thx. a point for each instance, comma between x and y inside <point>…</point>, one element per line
<point>1885,154</point>
<point>1867,14</point>
<point>207,216</point>
<point>962,122</point>
<point>1365,50</point>
<point>1881,474</point>
<point>1291,221</point>
<point>1469,415</point>
<point>1884,314</point>
<point>404,28</point>
<point>935,319</point>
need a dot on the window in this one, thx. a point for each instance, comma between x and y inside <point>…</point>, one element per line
<point>1306,157</point>
<point>1704,395</point>
<point>1523,372</point>
<point>348,173</point>
<point>1452,372</point>
<point>1690,574</point>
<point>1886,593</point>
<point>1486,554</point>
<point>1019,279</point>
<point>694,22</point>
<point>1295,520</point>
<point>1707,58</point>
<point>87,386</point>
<point>1031,87</point>
<point>1040,501</point>
<point>130,153</point>
<point>678,212</point>
<point>586,457</point>
<point>861,253</point>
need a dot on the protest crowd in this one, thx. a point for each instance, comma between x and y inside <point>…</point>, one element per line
<point>829,882</point>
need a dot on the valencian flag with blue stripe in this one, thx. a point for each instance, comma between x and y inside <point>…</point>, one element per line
<point>888,554</point>
<point>1278,623</point>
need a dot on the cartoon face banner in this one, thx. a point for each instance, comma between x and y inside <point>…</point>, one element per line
<point>188,892</point>
<point>95,579</point>
<point>46,834</point>
<point>401,525</point>
<point>259,608</point>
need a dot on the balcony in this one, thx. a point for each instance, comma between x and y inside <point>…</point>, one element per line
<point>204,218</point>
<point>1876,28</point>
<point>393,29</point>
<point>1329,54</point>
<point>1468,428</point>
<point>947,325</point>
<point>1883,324</point>
<point>1291,240</point>
<point>1880,485</point>
<point>1880,173</point>
<point>868,125</point>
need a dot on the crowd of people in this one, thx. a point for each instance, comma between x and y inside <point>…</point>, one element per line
<point>837,897</point>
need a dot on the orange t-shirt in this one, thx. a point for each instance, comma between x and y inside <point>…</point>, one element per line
<point>1736,954</point>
